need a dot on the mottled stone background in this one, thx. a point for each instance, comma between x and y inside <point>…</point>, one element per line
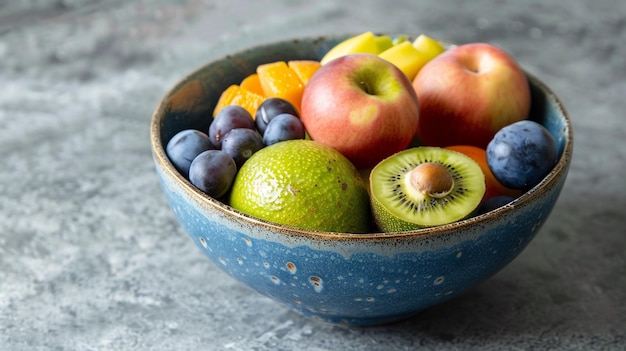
<point>91,257</point>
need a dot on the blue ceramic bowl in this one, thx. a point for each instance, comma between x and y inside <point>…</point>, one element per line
<point>356,279</point>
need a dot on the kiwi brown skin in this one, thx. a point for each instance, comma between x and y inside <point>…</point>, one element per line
<point>397,206</point>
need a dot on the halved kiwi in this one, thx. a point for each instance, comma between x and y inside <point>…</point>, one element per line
<point>424,187</point>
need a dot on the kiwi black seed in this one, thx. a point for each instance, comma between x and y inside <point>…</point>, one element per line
<point>424,187</point>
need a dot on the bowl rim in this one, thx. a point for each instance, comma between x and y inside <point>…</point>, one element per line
<point>206,201</point>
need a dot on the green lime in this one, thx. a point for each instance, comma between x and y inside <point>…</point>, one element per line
<point>304,184</point>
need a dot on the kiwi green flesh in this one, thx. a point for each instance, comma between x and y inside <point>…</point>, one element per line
<point>397,206</point>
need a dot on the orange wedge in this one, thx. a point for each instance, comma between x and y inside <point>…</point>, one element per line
<point>278,80</point>
<point>492,186</point>
<point>236,95</point>
<point>252,83</point>
<point>304,69</point>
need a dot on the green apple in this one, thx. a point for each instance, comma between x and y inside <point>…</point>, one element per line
<point>361,105</point>
<point>468,93</point>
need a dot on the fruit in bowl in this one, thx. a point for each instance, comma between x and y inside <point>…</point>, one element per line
<point>425,187</point>
<point>468,93</point>
<point>351,278</point>
<point>521,154</point>
<point>361,105</point>
<point>303,183</point>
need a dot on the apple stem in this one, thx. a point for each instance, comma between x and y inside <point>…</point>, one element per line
<point>432,179</point>
<point>366,87</point>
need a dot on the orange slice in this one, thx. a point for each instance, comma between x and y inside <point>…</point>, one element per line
<point>252,83</point>
<point>492,186</point>
<point>278,80</point>
<point>236,95</point>
<point>304,69</point>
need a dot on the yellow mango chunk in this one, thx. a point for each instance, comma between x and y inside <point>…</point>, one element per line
<point>278,80</point>
<point>252,83</point>
<point>397,40</point>
<point>304,69</point>
<point>362,43</point>
<point>428,46</point>
<point>383,42</point>
<point>406,57</point>
<point>236,95</point>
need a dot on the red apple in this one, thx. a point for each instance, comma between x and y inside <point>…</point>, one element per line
<point>361,105</point>
<point>468,93</point>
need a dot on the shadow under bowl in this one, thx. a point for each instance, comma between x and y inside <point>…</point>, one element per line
<point>354,279</point>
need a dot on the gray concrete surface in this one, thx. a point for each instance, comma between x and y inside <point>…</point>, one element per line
<point>91,257</point>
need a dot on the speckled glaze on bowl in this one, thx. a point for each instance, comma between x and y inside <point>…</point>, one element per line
<point>355,279</point>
